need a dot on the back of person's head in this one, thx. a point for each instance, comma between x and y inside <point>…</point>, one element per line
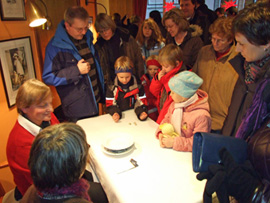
<point>123,64</point>
<point>116,17</point>
<point>170,54</point>
<point>58,156</point>
<point>135,19</point>
<point>77,12</point>
<point>31,92</point>
<point>223,28</point>
<point>155,37</point>
<point>152,60</point>
<point>178,17</point>
<point>232,11</point>
<point>155,15</point>
<point>254,23</point>
<point>220,11</point>
<point>104,22</point>
<point>200,2</point>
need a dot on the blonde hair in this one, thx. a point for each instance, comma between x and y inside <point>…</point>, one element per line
<point>170,54</point>
<point>156,36</point>
<point>222,27</point>
<point>123,64</point>
<point>103,22</point>
<point>31,92</point>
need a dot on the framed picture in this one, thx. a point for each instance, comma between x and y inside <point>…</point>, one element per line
<point>17,65</point>
<point>12,10</point>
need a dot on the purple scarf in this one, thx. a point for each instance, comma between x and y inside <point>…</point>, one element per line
<point>77,189</point>
<point>256,113</point>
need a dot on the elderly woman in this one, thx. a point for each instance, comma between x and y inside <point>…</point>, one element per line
<point>34,105</point>
<point>183,35</point>
<point>57,161</point>
<point>218,76</point>
<point>114,42</point>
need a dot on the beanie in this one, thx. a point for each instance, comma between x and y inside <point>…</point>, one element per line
<point>153,62</point>
<point>185,83</point>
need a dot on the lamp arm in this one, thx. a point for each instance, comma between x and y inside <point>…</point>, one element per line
<point>86,3</point>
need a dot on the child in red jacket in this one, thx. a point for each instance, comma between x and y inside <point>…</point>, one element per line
<point>152,66</point>
<point>171,59</point>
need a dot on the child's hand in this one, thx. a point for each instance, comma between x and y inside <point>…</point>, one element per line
<point>166,141</point>
<point>161,74</point>
<point>116,117</point>
<point>143,116</point>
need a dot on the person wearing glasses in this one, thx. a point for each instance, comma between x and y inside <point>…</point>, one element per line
<point>114,42</point>
<point>34,105</point>
<point>72,66</point>
<point>213,67</point>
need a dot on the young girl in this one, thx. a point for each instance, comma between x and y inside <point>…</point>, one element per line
<point>149,38</point>
<point>188,113</point>
<point>152,66</point>
<point>170,58</point>
<point>125,93</point>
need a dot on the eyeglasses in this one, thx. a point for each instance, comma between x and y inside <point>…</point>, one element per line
<point>218,41</point>
<point>80,30</point>
<point>104,30</point>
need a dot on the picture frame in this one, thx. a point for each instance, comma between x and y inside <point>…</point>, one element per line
<point>17,65</point>
<point>12,10</point>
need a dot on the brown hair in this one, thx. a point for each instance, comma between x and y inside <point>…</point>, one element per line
<point>123,63</point>
<point>222,27</point>
<point>75,12</point>
<point>104,22</point>
<point>31,92</point>
<point>170,54</point>
<point>156,36</point>
<point>177,17</point>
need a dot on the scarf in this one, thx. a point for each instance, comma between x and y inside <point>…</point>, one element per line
<point>252,69</point>
<point>256,113</point>
<point>77,189</point>
<point>178,112</point>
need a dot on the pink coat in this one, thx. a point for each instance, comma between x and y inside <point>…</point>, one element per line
<point>196,118</point>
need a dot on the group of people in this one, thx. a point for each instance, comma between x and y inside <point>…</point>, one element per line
<point>177,80</point>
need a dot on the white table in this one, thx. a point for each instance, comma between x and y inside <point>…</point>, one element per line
<point>163,175</point>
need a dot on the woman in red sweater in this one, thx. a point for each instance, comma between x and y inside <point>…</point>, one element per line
<point>34,105</point>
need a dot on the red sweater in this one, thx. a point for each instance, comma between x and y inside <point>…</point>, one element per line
<point>18,150</point>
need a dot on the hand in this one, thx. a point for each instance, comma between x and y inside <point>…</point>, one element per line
<point>143,116</point>
<point>160,137</point>
<point>166,141</point>
<point>83,66</point>
<point>161,74</point>
<point>116,117</point>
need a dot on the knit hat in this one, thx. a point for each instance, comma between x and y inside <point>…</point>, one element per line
<point>153,62</point>
<point>185,83</point>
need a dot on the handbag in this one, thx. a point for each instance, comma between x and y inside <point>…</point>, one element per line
<point>206,147</point>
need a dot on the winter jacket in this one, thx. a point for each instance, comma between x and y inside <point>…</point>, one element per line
<point>190,46</point>
<point>242,96</point>
<point>118,100</point>
<point>219,79</point>
<point>196,118</point>
<point>151,99</point>
<point>60,70</point>
<point>160,89</point>
<point>128,46</point>
<point>18,148</point>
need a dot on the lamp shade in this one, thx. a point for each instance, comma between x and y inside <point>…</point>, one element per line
<point>35,16</point>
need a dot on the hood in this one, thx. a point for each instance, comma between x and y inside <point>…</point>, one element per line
<point>201,103</point>
<point>196,30</point>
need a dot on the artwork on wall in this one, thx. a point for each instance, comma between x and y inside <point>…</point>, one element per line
<point>16,64</point>
<point>12,10</point>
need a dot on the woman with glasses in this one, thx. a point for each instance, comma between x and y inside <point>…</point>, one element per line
<point>184,35</point>
<point>114,42</point>
<point>218,76</point>
<point>34,105</point>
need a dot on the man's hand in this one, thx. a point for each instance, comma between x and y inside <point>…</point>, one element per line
<point>83,66</point>
<point>116,117</point>
<point>143,116</point>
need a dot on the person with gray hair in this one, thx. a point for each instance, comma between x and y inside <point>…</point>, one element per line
<point>72,66</point>
<point>57,162</point>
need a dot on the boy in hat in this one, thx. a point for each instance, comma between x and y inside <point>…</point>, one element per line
<point>188,113</point>
<point>125,93</point>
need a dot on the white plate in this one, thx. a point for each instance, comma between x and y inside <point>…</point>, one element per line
<point>118,143</point>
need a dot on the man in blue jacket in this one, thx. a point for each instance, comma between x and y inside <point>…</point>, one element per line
<point>71,65</point>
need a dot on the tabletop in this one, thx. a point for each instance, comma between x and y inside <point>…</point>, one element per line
<point>162,175</point>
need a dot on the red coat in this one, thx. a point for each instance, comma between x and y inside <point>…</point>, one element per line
<point>18,149</point>
<point>151,99</point>
<point>160,89</point>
